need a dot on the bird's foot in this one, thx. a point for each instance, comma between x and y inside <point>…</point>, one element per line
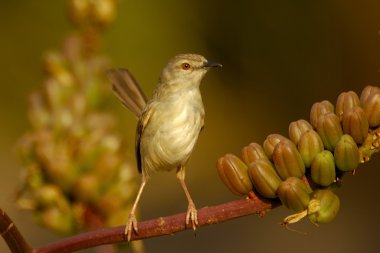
<point>131,226</point>
<point>192,216</point>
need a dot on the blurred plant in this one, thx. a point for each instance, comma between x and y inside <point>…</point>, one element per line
<point>340,140</point>
<point>74,160</point>
<point>75,173</point>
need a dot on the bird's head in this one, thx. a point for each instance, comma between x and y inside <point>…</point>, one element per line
<point>186,70</point>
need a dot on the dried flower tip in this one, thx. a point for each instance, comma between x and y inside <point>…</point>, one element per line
<point>328,207</point>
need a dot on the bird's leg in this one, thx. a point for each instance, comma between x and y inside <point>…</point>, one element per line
<point>132,222</point>
<point>191,209</point>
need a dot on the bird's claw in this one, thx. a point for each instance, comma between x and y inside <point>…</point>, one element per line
<point>131,225</point>
<point>192,216</point>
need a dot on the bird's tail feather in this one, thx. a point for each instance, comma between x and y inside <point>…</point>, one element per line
<point>127,90</point>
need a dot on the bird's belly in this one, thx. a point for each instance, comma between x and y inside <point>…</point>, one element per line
<point>172,140</point>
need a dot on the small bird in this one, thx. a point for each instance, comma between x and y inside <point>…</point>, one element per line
<point>169,123</point>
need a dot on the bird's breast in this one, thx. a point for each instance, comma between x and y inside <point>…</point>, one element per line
<point>170,136</point>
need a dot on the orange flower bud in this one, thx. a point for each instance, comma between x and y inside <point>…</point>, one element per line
<point>367,91</point>
<point>271,141</point>
<point>355,123</point>
<point>318,109</point>
<point>252,153</point>
<point>288,161</point>
<point>233,172</point>
<point>371,108</point>
<point>345,101</point>
<point>297,128</point>
<point>264,178</point>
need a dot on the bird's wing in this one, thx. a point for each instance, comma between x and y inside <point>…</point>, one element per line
<point>127,90</point>
<point>143,121</point>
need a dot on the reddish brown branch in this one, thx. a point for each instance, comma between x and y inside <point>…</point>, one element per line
<point>12,235</point>
<point>162,226</point>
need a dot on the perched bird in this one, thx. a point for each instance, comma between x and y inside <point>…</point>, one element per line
<point>169,123</point>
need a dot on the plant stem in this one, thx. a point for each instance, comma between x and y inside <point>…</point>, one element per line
<point>163,225</point>
<point>12,235</point>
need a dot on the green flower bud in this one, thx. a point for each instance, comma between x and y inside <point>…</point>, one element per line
<point>355,123</point>
<point>294,194</point>
<point>329,130</point>
<point>287,160</point>
<point>318,109</point>
<point>252,153</point>
<point>346,154</point>
<point>233,172</point>
<point>264,178</point>
<point>328,206</point>
<point>271,141</point>
<point>297,128</point>
<point>323,168</point>
<point>367,91</point>
<point>309,145</point>
<point>345,101</point>
<point>371,108</point>
<point>57,220</point>
<point>48,195</point>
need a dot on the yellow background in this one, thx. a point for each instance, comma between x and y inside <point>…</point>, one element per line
<point>279,57</point>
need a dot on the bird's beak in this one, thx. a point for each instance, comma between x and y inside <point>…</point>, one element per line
<point>211,64</point>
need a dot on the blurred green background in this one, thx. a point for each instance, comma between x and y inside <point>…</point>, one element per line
<point>279,57</point>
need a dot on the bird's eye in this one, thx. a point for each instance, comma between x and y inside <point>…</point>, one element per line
<point>185,66</point>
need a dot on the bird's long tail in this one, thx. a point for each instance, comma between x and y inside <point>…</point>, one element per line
<point>127,90</point>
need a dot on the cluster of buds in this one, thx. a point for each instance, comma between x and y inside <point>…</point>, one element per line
<point>304,170</point>
<point>75,173</point>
